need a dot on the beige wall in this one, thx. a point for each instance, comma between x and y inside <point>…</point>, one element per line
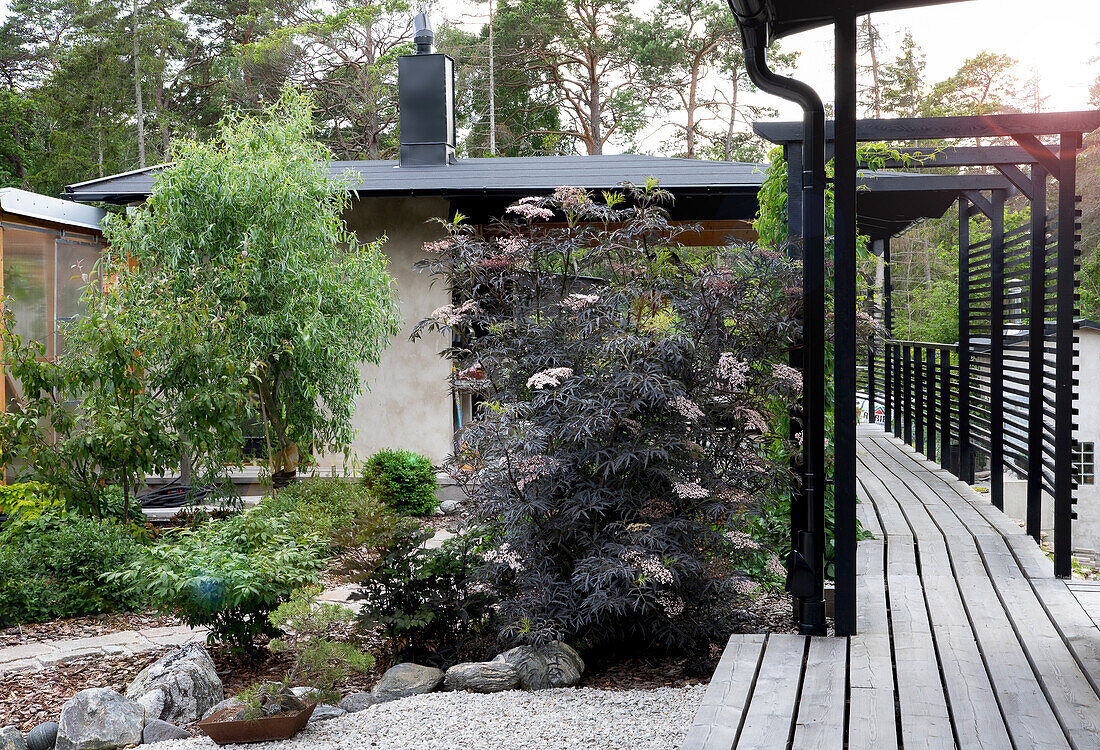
<point>408,404</point>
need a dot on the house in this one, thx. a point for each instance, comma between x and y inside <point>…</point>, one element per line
<point>409,403</point>
<point>47,246</point>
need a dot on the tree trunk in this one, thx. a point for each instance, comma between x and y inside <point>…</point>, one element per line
<point>595,128</point>
<point>137,94</point>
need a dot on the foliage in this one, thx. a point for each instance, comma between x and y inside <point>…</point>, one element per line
<point>305,302</point>
<point>429,603</point>
<point>319,662</point>
<point>626,422</point>
<point>335,512</point>
<point>227,575</point>
<point>26,499</point>
<point>145,375</point>
<point>402,479</point>
<point>53,568</point>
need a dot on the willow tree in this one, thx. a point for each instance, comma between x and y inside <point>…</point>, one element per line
<point>254,218</point>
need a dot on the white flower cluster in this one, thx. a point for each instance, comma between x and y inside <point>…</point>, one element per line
<point>505,555</point>
<point>753,420</point>
<point>741,540</point>
<point>648,566</point>
<point>529,209</point>
<point>531,468</point>
<point>438,246</point>
<point>731,372</point>
<point>572,198</point>
<point>549,378</point>
<point>450,315</point>
<point>577,302</point>
<point>788,377</point>
<point>512,245</point>
<point>776,567</point>
<point>686,408</point>
<point>689,490</point>
<point>670,603</point>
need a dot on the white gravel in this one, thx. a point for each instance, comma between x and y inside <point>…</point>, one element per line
<point>563,719</point>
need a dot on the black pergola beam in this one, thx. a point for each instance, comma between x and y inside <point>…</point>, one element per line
<point>914,157</point>
<point>893,182</point>
<point>938,128</point>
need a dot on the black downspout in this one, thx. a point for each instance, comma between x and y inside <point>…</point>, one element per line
<point>807,564</point>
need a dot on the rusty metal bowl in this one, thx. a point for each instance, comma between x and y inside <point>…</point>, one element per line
<point>263,729</point>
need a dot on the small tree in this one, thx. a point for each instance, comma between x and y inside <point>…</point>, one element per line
<point>626,432</point>
<point>254,219</point>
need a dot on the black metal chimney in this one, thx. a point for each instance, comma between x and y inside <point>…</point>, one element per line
<point>426,102</point>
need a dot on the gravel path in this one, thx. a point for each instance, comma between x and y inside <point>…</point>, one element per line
<point>565,719</point>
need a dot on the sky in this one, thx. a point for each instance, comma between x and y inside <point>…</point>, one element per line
<point>1060,43</point>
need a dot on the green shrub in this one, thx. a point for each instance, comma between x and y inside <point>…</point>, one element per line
<point>319,662</point>
<point>227,575</point>
<point>428,602</point>
<point>320,508</point>
<point>53,569</point>
<point>403,480</point>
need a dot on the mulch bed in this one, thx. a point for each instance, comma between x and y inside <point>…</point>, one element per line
<point>84,627</point>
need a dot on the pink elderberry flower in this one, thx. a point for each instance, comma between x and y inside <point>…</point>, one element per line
<point>527,209</point>
<point>690,490</point>
<point>671,604</point>
<point>531,468</point>
<point>776,568</point>
<point>572,198</point>
<point>731,372</point>
<point>647,566</point>
<point>686,408</point>
<point>505,555</point>
<point>788,377</point>
<point>438,246</point>
<point>741,540</point>
<point>450,315</point>
<point>577,302</point>
<point>549,378</point>
<point>753,420</point>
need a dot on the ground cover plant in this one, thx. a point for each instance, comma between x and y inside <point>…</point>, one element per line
<point>626,433</point>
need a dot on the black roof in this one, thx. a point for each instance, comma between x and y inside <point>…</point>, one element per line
<point>787,17</point>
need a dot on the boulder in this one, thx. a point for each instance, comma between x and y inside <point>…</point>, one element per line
<point>227,703</point>
<point>12,739</point>
<point>179,687</point>
<point>159,731</point>
<point>482,677</point>
<point>406,679</point>
<point>324,712</point>
<point>43,736</point>
<point>449,506</point>
<point>306,693</point>
<point>281,702</point>
<point>99,719</point>
<point>356,702</point>
<point>565,665</point>
<point>534,672</point>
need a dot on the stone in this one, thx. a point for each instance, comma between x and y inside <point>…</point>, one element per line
<point>179,687</point>
<point>159,731</point>
<point>99,719</point>
<point>12,739</point>
<point>449,506</point>
<point>227,703</point>
<point>534,672</point>
<point>406,679</point>
<point>306,693</point>
<point>282,702</point>
<point>565,665</point>
<point>482,677</point>
<point>324,712</point>
<point>356,702</point>
<point>43,736</point>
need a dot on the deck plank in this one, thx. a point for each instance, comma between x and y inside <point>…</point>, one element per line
<point>820,721</point>
<point>770,715</point>
<point>718,719</point>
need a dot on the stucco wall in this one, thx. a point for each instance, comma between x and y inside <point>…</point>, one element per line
<point>408,404</point>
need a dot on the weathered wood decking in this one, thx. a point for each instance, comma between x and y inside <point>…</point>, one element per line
<point>966,639</point>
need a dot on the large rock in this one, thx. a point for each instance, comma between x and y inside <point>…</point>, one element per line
<point>179,687</point>
<point>482,677</point>
<point>565,665</point>
<point>534,672</point>
<point>99,719</point>
<point>406,679</point>
<point>159,731</point>
<point>227,703</point>
<point>12,739</point>
<point>356,702</point>
<point>43,736</point>
<point>324,712</point>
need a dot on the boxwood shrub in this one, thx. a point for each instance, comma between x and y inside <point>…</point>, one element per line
<point>403,480</point>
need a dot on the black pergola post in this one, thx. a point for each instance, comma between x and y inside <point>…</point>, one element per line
<point>997,348</point>
<point>844,321</point>
<point>888,325</point>
<point>966,461</point>
<point>1036,332</point>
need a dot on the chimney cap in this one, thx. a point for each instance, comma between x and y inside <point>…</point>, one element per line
<point>423,34</point>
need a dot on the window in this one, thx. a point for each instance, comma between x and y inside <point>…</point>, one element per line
<point>1084,463</point>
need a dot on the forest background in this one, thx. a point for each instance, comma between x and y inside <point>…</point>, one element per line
<point>95,87</point>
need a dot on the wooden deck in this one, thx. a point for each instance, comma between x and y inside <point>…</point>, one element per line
<point>966,639</point>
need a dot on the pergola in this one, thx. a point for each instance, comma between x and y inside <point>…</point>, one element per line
<point>1047,438</point>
